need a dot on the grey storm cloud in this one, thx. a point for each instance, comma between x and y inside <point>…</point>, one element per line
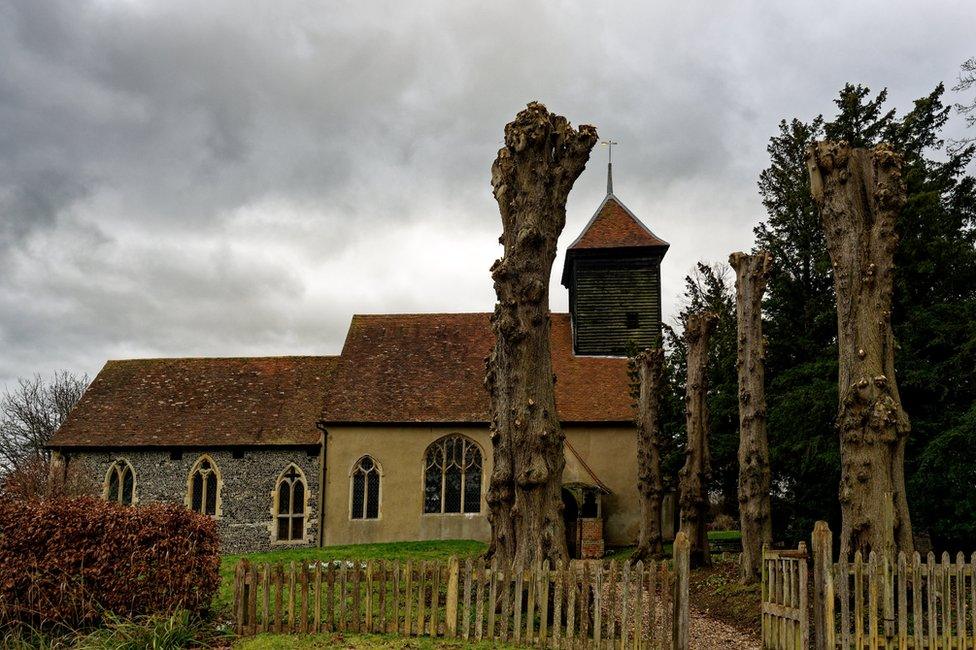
<point>229,177</point>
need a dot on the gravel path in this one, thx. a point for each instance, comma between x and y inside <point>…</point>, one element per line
<point>709,634</point>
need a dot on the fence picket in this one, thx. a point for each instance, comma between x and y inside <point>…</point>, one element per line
<point>917,630</point>
<point>945,590</point>
<point>517,606</point>
<point>330,609</point>
<point>570,604</point>
<point>435,592</point>
<point>873,604</point>
<point>303,626</point>
<point>961,600</point>
<point>930,590</point>
<point>381,595</point>
<point>492,598</point>
<point>343,595</point>
<point>479,601</point>
<point>650,629</point>
<point>421,601</point>
<point>972,593</point>
<point>530,589</point>
<point>902,602</point>
<point>557,603</point>
<point>265,595</point>
<point>395,595</point>
<point>466,609</point>
<point>544,579</point>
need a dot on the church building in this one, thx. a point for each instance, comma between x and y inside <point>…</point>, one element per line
<point>388,441</point>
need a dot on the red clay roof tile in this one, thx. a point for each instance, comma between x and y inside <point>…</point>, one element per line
<point>614,226</point>
<point>208,402</point>
<point>416,368</point>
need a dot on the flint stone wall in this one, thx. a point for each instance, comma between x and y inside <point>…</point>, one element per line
<point>245,518</point>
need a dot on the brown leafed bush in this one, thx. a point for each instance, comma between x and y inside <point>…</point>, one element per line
<point>35,479</point>
<point>72,561</point>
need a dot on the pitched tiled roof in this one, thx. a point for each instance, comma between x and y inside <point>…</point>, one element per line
<point>614,226</point>
<point>200,402</point>
<point>430,368</point>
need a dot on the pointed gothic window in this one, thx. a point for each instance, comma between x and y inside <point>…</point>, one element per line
<point>204,487</point>
<point>290,506</point>
<point>365,503</point>
<point>120,483</point>
<point>452,476</point>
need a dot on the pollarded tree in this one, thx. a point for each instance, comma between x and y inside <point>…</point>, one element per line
<point>694,476</point>
<point>532,177</point>
<point>650,482</point>
<point>859,193</point>
<point>754,475</point>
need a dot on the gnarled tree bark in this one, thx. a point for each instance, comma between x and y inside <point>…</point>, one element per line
<point>650,484</point>
<point>859,193</point>
<point>751,272</point>
<point>532,176</point>
<point>693,477</point>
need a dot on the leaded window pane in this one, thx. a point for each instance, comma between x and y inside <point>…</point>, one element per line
<point>196,493</point>
<point>297,528</point>
<point>284,497</point>
<point>432,490</point>
<point>298,503</point>
<point>452,489</point>
<point>373,495</point>
<point>113,485</point>
<point>358,494</point>
<point>127,486</point>
<point>472,490</point>
<point>211,494</point>
<point>283,528</point>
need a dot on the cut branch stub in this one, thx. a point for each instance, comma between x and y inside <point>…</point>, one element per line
<point>859,193</point>
<point>531,177</point>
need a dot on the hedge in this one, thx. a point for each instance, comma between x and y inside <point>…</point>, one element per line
<point>71,561</point>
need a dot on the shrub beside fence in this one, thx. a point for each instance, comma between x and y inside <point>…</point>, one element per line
<point>644,605</point>
<point>71,561</point>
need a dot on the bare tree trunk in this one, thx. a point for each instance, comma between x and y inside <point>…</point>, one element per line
<point>650,484</point>
<point>531,177</point>
<point>751,272</point>
<point>859,193</point>
<point>694,475</point>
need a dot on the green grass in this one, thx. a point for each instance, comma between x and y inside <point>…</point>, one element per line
<point>436,550</point>
<point>294,642</point>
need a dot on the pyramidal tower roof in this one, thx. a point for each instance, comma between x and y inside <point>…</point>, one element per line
<point>615,226</point>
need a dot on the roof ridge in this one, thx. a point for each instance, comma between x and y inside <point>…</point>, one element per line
<point>228,358</point>
<point>611,197</point>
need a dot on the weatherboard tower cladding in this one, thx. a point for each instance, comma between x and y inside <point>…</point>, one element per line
<point>613,273</point>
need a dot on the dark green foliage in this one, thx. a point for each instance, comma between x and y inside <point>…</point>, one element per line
<point>934,319</point>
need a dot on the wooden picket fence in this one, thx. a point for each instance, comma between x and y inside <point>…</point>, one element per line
<point>584,604</point>
<point>785,625</point>
<point>892,601</point>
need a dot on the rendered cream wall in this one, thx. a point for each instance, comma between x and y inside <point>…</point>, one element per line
<point>609,451</point>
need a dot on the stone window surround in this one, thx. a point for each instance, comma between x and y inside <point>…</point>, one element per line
<point>379,507</point>
<point>119,466</point>
<point>218,507</point>
<point>273,526</point>
<point>423,480</point>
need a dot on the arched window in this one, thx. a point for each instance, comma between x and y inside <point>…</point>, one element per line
<point>120,483</point>
<point>203,489</point>
<point>365,503</point>
<point>290,505</point>
<point>452,476</point>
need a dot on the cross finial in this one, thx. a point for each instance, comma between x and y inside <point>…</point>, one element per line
<point>609,145</point>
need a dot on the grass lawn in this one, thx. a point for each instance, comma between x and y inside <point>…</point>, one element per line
<point>437,550</point>
<point>286,642</point>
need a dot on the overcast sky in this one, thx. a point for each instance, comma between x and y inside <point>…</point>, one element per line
<point>186,178</point>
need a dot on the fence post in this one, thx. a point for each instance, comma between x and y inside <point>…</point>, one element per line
<point>682,565</point>
<point>804,636</point>
<point>450,607</point>
<point>823,596</point>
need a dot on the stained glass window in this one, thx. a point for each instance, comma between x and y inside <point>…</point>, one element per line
<point>365,490</point>
<point>120,483</point>
<point>204,487</point>
<point>452,476</point>
<point>290,512</point>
